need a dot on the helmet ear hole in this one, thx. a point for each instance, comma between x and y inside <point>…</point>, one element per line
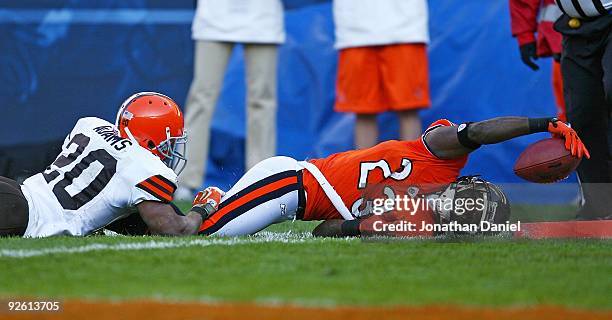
<point>151,145</point>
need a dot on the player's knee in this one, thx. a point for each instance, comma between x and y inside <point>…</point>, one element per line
<point>261,98</point>
<point>262,105</point>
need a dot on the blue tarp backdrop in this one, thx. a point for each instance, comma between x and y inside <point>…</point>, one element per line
<point>62,60</point>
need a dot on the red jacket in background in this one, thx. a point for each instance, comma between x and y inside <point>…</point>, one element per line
<point>529,17</point>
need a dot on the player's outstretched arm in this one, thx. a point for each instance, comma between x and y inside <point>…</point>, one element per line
<point>337,228</point>
<point>329,228</point>
<point>162,219</point>
<point>454,142</point>
<point>362,227</point>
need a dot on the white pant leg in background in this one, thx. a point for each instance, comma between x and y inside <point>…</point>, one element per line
<point>261,68</point>
<point>209,69</point>
<point>268,193</point>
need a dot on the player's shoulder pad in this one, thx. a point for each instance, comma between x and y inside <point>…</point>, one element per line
<point>432,126</point>
<point>442,122</point>
<point>438,123</point>
<point>91,122</point>
<point>84,124</point>
<point>158,186</point>
<point>148,173</point>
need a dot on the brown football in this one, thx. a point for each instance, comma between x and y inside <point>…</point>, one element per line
<point>545,161</point>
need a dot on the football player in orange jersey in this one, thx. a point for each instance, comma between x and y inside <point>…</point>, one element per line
<point>333,188</point>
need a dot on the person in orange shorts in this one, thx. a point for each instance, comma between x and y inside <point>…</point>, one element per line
<point>346,189</point>
<point>382,64</point>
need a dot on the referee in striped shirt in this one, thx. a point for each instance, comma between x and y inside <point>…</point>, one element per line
<point>586,65</point>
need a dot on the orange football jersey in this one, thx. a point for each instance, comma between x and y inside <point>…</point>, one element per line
<point>408,163</point>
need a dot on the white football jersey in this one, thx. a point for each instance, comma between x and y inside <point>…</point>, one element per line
<point>98,178</point>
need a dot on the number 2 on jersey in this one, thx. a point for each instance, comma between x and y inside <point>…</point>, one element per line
<point>358,208</point>
<point>109,167</point>
<point>365,167</point>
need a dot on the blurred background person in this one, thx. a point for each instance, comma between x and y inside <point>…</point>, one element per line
<point>532,25</point>
<point>382,64</point>
<point>586,66</point>
<point>218,26</point>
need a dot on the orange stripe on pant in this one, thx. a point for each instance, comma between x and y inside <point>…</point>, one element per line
<point>247,198</point>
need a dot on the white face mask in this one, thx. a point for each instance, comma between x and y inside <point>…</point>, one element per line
<point>174,150</point>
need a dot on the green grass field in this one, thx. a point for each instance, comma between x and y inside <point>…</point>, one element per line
<point>286,265</point>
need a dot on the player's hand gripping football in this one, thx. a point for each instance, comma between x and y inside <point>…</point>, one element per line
<point>572,142</point>
<point>206,202</point>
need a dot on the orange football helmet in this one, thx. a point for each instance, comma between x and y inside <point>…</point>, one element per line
<point>156,123</point>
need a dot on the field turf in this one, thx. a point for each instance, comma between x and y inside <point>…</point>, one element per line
<point>286,265</point>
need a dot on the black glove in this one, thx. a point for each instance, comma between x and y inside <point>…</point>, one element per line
<point>528,52</point>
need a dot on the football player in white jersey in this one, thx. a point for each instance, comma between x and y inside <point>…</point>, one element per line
<point>106,172</point>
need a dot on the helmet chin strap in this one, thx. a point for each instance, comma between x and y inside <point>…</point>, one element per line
<point>130,135</point>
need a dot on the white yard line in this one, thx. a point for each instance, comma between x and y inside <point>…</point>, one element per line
<point>155,244</point>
